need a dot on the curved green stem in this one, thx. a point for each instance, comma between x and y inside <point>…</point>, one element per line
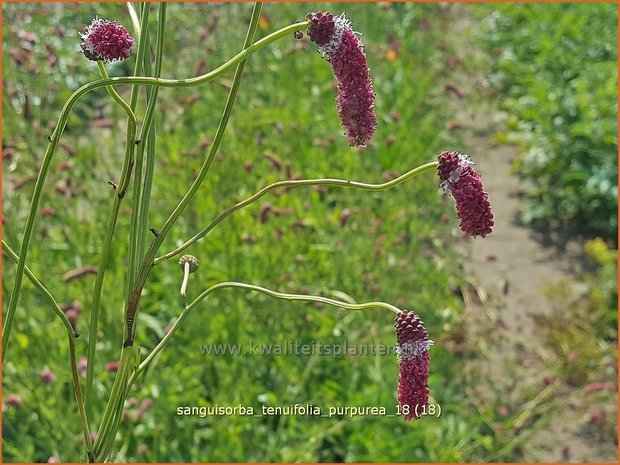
<point>62,121</point>
<point>147,263</point>
<point>278,295</point>
<point>294,183</point>
<point>114,94</point>
<point>71,335</point>
<point>292,297</point>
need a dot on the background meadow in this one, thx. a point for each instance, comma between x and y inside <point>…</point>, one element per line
<point>400,246</point>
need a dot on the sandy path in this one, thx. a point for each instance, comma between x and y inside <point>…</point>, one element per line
<point>510,270</point>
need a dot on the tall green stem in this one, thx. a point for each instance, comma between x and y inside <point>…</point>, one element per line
<point>107,241</point>
<point>62,121</point>
<point>111,418</point>
<point>128,162</point>
<point>140,67</point>
<point>294,183</point>
<point>144,171</point>
<point>147,263</point>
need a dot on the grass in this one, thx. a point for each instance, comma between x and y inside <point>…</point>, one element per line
<point>395,246</point>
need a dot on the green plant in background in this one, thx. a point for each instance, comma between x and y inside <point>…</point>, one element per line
<point>106,41</point>
<point>562,110</point>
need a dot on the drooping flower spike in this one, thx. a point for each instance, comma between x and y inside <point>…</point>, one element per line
<point>457,175</point>
<point>413,345</point>
<point>107,41</point>
<point>339,45</point>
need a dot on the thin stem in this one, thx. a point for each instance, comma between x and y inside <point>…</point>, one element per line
<point>71,335</point>
<point>107,432</point>
<point>147,263</point>
<point>8,251</point>
<point>104,74</point>
<point>135,21</point>
<point>278,295</point>
<point>139,67</point>
<point>294,183</point>
<point>106,251</point>
<point>183,290</point>
<point>130,145</point>
<point>143,182</point>
<point>62,122</point>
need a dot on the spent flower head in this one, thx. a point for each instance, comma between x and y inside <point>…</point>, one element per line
<point>457,175</point>
<point>413,372</point>
<point>106,40</point>
<point>193,263</point>
<point>339,45</point>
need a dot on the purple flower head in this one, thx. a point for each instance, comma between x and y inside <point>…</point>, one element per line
<point>106,40</point>
<point>47,376</point>
<point>413,345</point>
<point>112,366</point>
<point>13,400</point>
<point>338,44</point>
<point>456,174</point>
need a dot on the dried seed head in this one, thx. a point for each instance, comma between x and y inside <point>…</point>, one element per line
<point>106,40</point>
<point>193,263</point>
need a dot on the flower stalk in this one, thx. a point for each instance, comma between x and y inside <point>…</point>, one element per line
<point>295,183</point>
<point>262,290</point>
<point>126,171</point>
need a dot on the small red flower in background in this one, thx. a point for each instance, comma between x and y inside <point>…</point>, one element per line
<point>456,173</point>
<point>47,376</point>
<point>338,43</point>
<point>413,344</point>
<point>106,40</point>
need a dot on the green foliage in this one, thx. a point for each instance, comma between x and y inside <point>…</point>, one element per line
<point>557,65</point>
<point>393,247</point>
<point>603,288</point>
<point>583,330</point>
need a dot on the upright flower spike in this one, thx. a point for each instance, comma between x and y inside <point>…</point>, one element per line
<point>106,40</point>
<point>338,44</point>
<point>456,174</point>
<point>413,345</point>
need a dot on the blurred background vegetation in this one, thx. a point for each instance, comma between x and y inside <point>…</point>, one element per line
<point>553,71</point>
<point>561,85</point>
